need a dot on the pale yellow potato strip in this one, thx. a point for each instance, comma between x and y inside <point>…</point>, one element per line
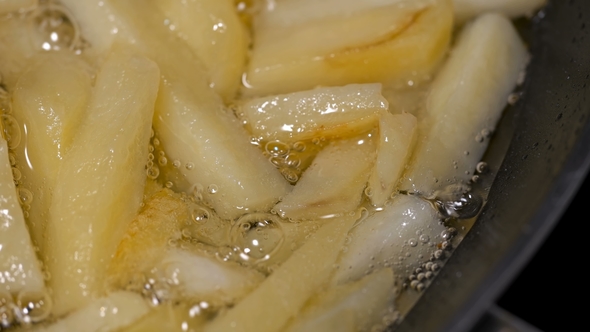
<point>382,239</point>
<point>465,103</point>
<point>335,320</point>
<point>322,112</point>
<point>146,238</point>
<point>333,184</point>
<point>215,33</point>
<point>102,179</point>
<point>397,137</point>
<point>468,9</point>
<point>49,100</point>
<point>105,314</point>
<point>202,278</point>
<point>397,42</point>
<point>19,268</point>
<point>299,12</point>
<point>366,300</point>
<point>283,293</point>
<point>168,317</point>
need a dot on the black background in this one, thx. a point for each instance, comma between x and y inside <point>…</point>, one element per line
<point>552,292</point>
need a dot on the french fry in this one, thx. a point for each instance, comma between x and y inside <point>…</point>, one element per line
<point>286,290</point>
<point>341,42</point>
<point>146,238</point>
<point>19,268</point>
<point>383,240</point>
<point>169,318</point>
<point>109,313</point>
<point>323,112</point>
<point>48,102</point>
<point>199,278</point>
<point>104,168</point>
<point>333,184</point>
<point>465,102</point>
<point>466,10</point>
<point>366,300</point>
<point>215,33</point>
<point>397,136</point>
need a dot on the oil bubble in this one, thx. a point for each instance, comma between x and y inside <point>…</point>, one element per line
<point>186,233</point>
<point>438,254</point>
<point>12,131</point>
<point>457,201</point>
<point>153,172</point>
<point>25,196</point>
<point>8,315</point>
<point>16,174</point>
<point>276,161</point>
<point>12,159</point>
<point>446,235</point>
<point>481,167</point>
<point>290,174</point>
<point>163,161</point>
<point>212,189</point>
<point>200,215</point>
<point>513,98</point>
<point>257,237</point>
<point>34,306</point>
<point>277,148</point>
<point>292,161</point>
<point>467,206</point>
<point>299,146</point>
<point>53,28</point>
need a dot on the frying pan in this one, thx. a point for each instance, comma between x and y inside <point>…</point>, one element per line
<point>540,154</point>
